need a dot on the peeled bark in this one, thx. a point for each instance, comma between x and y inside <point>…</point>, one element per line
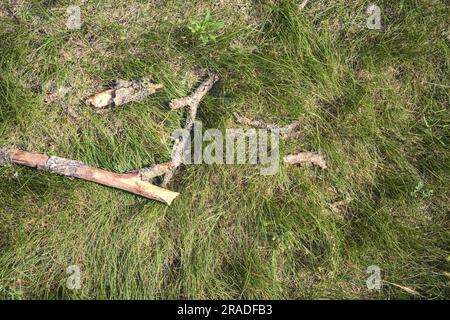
<point>131,182</point>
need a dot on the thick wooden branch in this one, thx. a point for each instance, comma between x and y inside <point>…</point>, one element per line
<point>131,182</point>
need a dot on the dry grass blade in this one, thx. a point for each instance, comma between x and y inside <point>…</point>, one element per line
<point>404,288</point>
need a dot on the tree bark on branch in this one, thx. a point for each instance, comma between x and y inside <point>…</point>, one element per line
<point>131,182</point>
<point>193,102</point>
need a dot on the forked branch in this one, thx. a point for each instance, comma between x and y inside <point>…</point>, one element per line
<point>131,182</point>
<point>193,102</point>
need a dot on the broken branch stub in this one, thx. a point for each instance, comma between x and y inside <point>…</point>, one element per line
<point>302,5</point>
<point>154,171</point>
<point>124,92</point>
<point>130,182</point>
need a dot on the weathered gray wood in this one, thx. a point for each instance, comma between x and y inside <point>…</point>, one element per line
<point>193,102</point>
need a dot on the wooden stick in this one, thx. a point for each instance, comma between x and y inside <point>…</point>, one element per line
<point>130,182</point>
<point>193,102</point>
<point>194,99</point>
<point>289,131</point>
<point>124,92</point>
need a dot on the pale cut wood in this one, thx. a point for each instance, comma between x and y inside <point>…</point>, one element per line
<point>130,182</point>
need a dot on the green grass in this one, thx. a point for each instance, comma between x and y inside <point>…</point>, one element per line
<point>375,102</point>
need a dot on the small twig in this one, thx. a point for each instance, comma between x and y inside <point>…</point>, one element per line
<point>124,92</point>
<point>288,131</point>
<point>303,158</point>
<point>193,101</point>
<point>154,171</point>
<point>404,288</point>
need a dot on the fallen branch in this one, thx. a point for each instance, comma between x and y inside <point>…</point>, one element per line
<point>288,131</point>
<point>130,182</point>
<point>124,92</point>
<point>176,159</point>
<point>193,102</point>
<point>305,158</point>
